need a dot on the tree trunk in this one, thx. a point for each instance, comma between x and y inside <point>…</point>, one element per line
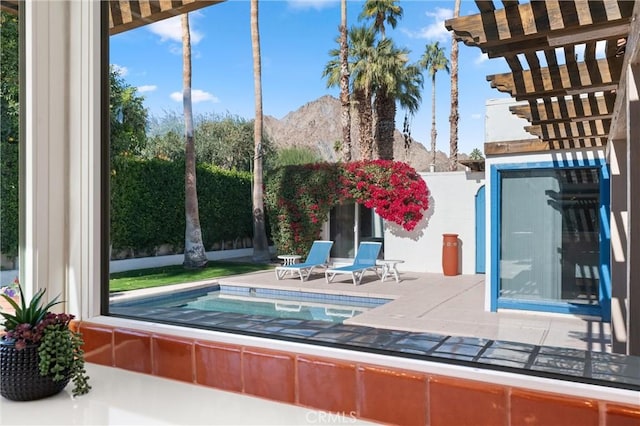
<point>260,243</point>
<point>345,112</point>
<point>434,133</point>
<point>454,117</point>
<point>367,126</point>
<point>385,107</point>
<point>194,254</point>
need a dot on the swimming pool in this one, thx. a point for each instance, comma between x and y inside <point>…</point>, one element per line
<point>261,301</point>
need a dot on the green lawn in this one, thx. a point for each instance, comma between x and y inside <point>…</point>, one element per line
<point>155,277</point>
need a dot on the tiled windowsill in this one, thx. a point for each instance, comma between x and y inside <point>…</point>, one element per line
<point>540,384</point>
<point>121,397</point>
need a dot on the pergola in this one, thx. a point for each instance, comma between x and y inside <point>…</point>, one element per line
<point>126,15</point>
<point>575,65</point>
<point>570,103</point>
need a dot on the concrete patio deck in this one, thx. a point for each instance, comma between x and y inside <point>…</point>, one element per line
<point>429,302</point>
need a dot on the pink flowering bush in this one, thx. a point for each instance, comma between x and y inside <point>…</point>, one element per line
<point>299,198</point>
<point>393,189</point>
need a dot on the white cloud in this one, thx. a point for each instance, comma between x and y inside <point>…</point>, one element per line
<point>171,29</point>
<point>311,4</point>
<point>147,88</point>
<point>197,96</point>
<point>476,116</point>
<point>482,57</point>
<point>120,70</point>
<point>435,30</point>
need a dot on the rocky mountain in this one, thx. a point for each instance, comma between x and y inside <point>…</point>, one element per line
<point>316,125</point>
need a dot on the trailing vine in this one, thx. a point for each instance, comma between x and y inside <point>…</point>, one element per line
<point>299,198</point>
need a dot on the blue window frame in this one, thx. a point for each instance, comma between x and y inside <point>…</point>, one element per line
<point>602,308</point>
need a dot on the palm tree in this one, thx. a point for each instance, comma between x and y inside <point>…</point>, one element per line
<point>454,117</point>
<point>194,254</point>
<point>361,52</point>
<point>433,60</point>
<point>260,244</point>
<point>382,11</point>
<point>395,81</point>
<point>345,112</point>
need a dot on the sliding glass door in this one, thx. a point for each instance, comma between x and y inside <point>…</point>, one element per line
<point>349,225</point>
<point>549,249</point>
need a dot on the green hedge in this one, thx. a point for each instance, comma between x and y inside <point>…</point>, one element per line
<point>147,204</point>
<point>298,199</point>
<point>9,212</point>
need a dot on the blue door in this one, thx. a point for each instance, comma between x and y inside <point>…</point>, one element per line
<point>480,231</point>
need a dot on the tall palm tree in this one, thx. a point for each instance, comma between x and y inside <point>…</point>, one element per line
<point>395,81</point>
<point>361,52</point>
<point>194,254</point>
<point>433,60</point>
<point>345,112</point>
<point>454,117</point>
<point>382,11</point>
<point>260,244</point>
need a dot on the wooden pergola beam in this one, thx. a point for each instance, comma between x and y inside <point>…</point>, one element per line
<point>571,130</point>
<point>581,77</point>
<point>539,145</point>
<point>562,109</point>
<point>126,15</point>
<point>516,147</point>
<point>9,6</point>
<point>539,21</point>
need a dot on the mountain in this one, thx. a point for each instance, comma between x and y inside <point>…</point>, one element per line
<point>316,125</point>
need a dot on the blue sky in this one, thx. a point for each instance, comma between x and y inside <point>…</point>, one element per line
<point>296,36</point>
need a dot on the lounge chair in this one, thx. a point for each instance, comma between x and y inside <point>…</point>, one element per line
<point>364,261</point>
<point>318,257</point>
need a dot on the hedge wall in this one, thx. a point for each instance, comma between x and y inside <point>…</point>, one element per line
<point>147,204</point>
<point>9,211</point>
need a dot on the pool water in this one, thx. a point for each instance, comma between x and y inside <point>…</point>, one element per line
<point>269,302</point>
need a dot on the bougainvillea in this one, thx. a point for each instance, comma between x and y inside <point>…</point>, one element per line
<point>299,198</point>
<point>393,189</point>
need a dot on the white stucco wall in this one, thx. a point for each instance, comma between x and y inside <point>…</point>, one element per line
<point>451,211</point>
<point>501,124</point>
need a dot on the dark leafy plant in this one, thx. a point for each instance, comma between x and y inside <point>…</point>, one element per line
<point>59,348</point>
<point>26,316</point>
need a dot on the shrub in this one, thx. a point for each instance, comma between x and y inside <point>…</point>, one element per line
<point>299,198</point>
<point>147,204</point>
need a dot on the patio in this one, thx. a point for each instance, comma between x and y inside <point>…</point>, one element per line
<point>434,303</point>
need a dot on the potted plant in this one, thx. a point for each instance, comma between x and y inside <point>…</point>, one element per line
<point>39,353</point>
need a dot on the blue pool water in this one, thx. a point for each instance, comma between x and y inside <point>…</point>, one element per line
<point>262,301</point>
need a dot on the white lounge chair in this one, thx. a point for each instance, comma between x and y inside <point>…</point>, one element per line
<point>364,261</point>
<point>318,257</point>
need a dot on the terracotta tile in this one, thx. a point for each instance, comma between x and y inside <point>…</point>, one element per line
<point>490,400</point>
<point>327,385</point>
<point>533,408</point>
<point>98,343</point>
<point>132,350</point>
<point>173,358</point>
<point>622,415</point>
<point>219,366</point>
<point>269,375</point>
<point>392,396</point>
